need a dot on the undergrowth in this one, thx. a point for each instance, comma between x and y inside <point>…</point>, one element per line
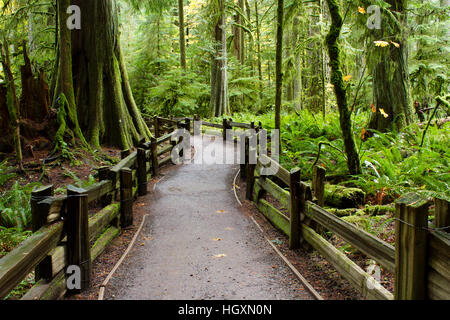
<point>392,162</point>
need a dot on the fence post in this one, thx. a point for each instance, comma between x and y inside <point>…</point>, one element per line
<point>156,125</point>
<point>39,214</point>
<point>318,184</point>
<point>441,216</point>
<point>77,226</point>
<point>295,220</point>
<point>126,197</point>
<point>246,157</point>
<point>103,174</point>
<point>154,148</point>
<point>188,125</point>
<point>225,127</point>
<point>411,247</point>
<point>250,175</point>
<point>142,172</point>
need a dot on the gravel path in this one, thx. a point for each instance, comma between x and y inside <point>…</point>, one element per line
<point>197,243</point>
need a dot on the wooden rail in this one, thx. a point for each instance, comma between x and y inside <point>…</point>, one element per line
<point>420,259</point>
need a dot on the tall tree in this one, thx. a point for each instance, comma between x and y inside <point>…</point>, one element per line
<point>390,72</point>
<point>106,108</point>
<point>353,162</point>
<point>219,63</point>
<point>279,66</point>
<point>182,34</point>
<point>12,101</point>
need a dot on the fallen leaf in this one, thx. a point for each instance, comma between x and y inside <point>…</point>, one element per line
<point>216,239</point>
<point>361,10</point>
<point>220,211</point>
<point>222,255</point>
<point>229,229</point>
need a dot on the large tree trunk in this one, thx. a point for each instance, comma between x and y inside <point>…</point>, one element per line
<point>391,78</point>
<point>12,102</point>
<point>353,162</point>
<point>106,107</point>
<point>219,67</point>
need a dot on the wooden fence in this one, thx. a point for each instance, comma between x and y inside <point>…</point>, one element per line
<point>420,260</point>
<point>65,234</point>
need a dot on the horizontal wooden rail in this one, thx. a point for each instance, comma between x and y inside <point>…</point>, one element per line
<point>212,125</point>
<point>370,245</point>
<point>276,191</point>
<point>98,190</point>
<point>360,280</point>
<point>274,168</point>
<point>164,138</point>
<point>165,150</point>
<point>16,265</point>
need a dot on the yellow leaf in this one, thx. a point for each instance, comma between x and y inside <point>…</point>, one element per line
<point>397,45</point>
<point>222,255</point>
<point>347,78</point>
<point>216,239</point>
<point>220,211</point>
<point>384,113</point>
<point>374,109</point>
<point>381,44</point>
<point>361,10</point>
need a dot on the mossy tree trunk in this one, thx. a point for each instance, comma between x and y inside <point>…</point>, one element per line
<point>182,34</point>
<point>12,101</point>
<point>391,86</point>
<point>353,162</point>
<point>64,99</point>
<point>219,66</point>
<point>107,111</point>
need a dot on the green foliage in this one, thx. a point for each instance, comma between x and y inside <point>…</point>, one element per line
<point>15,209</point>
<point>78,182</point>
<point>178,94</point>
<point>11,238</point>
<point>5,176</point>
<point>391,161</point>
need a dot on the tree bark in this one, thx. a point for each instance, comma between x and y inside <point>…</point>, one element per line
<point>279,65</point>
<point>258,41</point>
<point>107,109</point>
<point>353,162</point>
<point>391,77</point>
<point>219,66</point>
<point>182,34</point>
<point>12,102</point>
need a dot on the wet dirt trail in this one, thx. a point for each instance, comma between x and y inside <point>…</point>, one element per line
<point>197,243</point>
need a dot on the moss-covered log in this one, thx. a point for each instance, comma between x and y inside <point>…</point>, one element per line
<point>377,210</point>
<point>342,198</point>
